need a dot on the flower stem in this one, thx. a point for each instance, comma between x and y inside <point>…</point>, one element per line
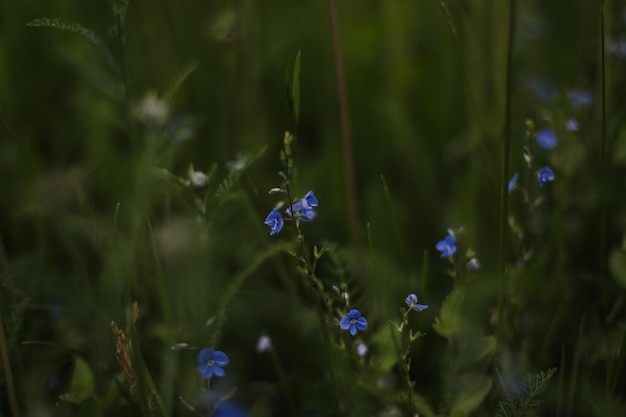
<point>603,174</point>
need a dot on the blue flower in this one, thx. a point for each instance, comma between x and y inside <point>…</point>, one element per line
<point>411,302</point>
<point>513,181</point>
<point>545,175</point>
<point>447,246</point>
<point>228,409</point>
<point>353,321</point>
<point>211,362</point>
<point>547,139</point>
<point>305,206</point>
<point>580,98</point>
<point>275,221</point>
<point>572,124</point>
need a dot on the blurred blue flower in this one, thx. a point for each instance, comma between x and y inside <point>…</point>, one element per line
<point>545,175</point>
<point>228,409</point>
<point>617,47</point>
<point>211,362</point>
<point>275,221</point>
<point>447,246</point>
<point>572,125</point>
<point>543,88</point>
<point>580,98</point>
<point>353,321</point>
<point>547,139</point>
<point>411,302</point>
<point>305,206</point>
<point>513,182</point>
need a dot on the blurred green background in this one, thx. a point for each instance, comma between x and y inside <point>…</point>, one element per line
<point>89,222</point>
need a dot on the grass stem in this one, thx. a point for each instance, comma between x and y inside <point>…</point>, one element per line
<point>346,138</point>
<point>508,136</point>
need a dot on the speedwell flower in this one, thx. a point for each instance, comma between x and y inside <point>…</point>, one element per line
<point>275,221</point>
<point>447,246</point>
<point>545,175</point>
<point>411,302</point>
<point>581,98</point>
<point>211,362</point>
<point>353,321</point>
<point>547,139</point>
<point>305,206</point>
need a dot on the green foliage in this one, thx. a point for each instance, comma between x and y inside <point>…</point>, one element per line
<point>110,204</point>
<point>81,385</point>
<point>526,402</point>
<point>94,40</point>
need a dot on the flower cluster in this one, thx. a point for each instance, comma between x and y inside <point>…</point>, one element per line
<point>211,362</point>
<point>303,209</point>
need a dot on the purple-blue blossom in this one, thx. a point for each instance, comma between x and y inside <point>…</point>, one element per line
<point>547,139</point>
<point>545,175</point>
<point>411,302</point>
<point>211,362</point>
<point>275,221</point>
<point>353,321</point>
<point>447,246</point>
<point>305,207</point>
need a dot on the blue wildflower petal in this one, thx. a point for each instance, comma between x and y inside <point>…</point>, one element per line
<point>310,200</point>
<point>297,206</point>
<point>220,358</point>
<point>344,323</point>
<point>218,371</point>
<point>352,329</point>
<point>275,221</point>
<point>307,214</point>
<point>420,307</point>
<point>361,323</point>
<point>410,300</point>
<point>513,182</point>
<point>547,139</point>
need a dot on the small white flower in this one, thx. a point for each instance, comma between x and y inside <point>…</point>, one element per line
<point>473,264</point>
<point>361,349</point>
<point>264,344</point>
<point>199,179</point>
<point>153,110</point>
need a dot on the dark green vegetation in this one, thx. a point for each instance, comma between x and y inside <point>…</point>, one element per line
<point>105,105</point>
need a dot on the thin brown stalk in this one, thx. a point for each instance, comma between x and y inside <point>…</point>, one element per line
<point>346,138</point>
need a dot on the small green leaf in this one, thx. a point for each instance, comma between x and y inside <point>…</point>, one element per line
<point>474,390</point>
<point>87,34</point>
<point>81,384</point>
<point>448,324</point>
<point>295,88</point>
<point>617,263</point>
